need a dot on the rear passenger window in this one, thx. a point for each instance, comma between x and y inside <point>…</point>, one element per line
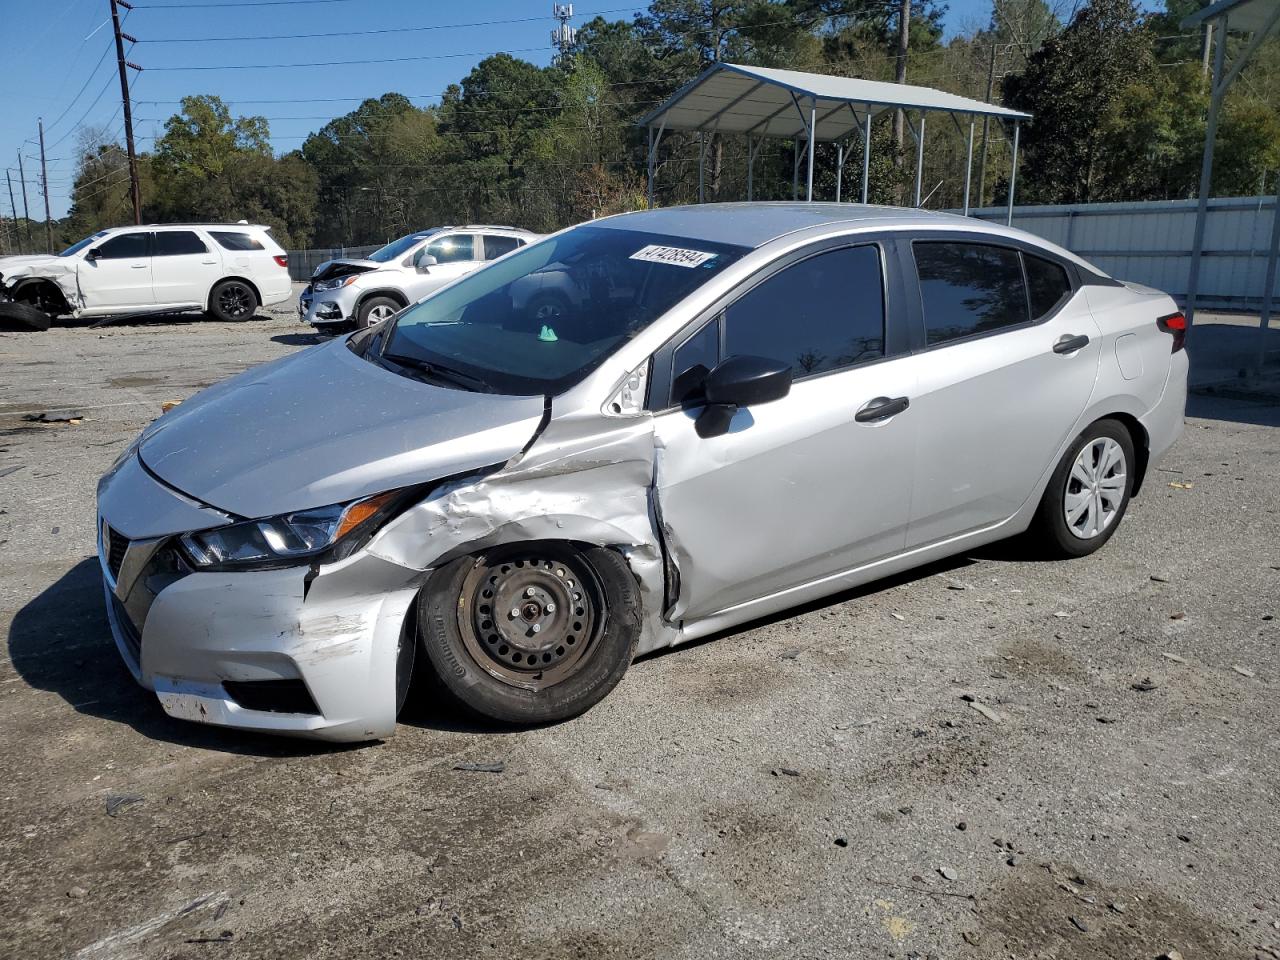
<point>820,314</point>
<point>455,248</point>
<point>173,243</point>
<point>495,246</point>
<point>236,241</point>
<point>125,246</point>
<point>968,289</point>
<point>1047,285</point>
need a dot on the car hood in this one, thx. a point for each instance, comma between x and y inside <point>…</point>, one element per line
<point>11,268</point>
<point>341,268</point>
<point>325,426</point>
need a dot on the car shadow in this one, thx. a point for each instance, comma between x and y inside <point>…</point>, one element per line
<point>1261,412</point>
<point>299,339</point>
<point>60,642</point>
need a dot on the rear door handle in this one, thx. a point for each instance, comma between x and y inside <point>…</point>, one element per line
<point>881,408</point>
<point>138,266</point>
<point>1069,344</point>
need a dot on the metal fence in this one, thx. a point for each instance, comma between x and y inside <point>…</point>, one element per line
<point>1151,242</point>
<point>302,263</point>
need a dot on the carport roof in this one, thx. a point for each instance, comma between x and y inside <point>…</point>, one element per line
<point>765,102</point>
<point>1245,15</point>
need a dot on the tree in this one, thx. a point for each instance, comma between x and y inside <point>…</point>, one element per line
<point>1070,85</point>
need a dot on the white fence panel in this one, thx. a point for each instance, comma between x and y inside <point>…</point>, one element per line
<point>1151,243</point>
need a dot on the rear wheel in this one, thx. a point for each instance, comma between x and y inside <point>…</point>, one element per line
<point>1088,493</point>
<point>375,310</point>
<point>534,633</point>
<point>232,300</point>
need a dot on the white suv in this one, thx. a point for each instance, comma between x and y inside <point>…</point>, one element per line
<point>360,293</point>
<point>228,270</point>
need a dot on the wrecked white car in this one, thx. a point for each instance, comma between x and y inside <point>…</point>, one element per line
<point>227,270</point>
<point>734,409</point>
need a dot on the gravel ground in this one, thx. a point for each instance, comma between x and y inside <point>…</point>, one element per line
<point>989,758</point>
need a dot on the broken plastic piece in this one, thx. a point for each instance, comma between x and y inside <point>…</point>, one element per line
<point>547,335</point>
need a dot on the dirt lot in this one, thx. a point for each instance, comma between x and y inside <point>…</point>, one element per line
<point>816,786</point>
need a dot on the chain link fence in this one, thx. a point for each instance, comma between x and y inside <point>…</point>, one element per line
<point>302,263</point>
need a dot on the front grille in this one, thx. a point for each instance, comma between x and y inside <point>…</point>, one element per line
<point>116,546</point>
<point>272,696</point>
<point>127,630</point>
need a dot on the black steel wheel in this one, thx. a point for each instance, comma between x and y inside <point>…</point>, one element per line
<point>531,634</point>
<point>233,300</point>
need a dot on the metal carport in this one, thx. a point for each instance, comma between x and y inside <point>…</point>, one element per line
<point>1260,18</point>
<point>764,103</point>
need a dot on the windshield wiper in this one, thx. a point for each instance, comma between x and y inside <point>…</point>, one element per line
<point>439,372</point>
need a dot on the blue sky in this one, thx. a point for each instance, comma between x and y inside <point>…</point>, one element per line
<point>52,72</point>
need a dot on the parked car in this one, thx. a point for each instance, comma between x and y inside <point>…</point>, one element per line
<point>350,293</point>
<point>735,409</point>
<point>227,270</point>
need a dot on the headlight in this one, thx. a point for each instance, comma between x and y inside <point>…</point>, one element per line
<point>290,537</point>
<point>336,284</point>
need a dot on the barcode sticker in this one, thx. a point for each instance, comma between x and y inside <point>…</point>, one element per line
<point>673,256</point>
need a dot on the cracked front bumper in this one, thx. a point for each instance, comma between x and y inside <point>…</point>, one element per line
<point>298,650</point>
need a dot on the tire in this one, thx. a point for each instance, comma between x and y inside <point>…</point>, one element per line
<point>23,318</point>
<point>1059,533</point>
<point>375,310</point>
<point>498,663</point>
<point>406,654</point>
<point>232,301</point>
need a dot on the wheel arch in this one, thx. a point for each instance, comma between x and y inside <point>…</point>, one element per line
<point>29,289</point>
<point>389,292</point>
<point>1141,445</point>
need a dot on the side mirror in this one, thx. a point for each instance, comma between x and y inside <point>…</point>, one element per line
<point>740,381</point>
<point>93,253</point>
<point>425,262</point>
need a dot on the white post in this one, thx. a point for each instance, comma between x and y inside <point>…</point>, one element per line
<point>866,155</point>
<point>968,168</point>
<point>650,190</point>
<point>702,155</point>
<point>1013,175</point>
<point>919,159</point>
<point>839,169</point>
<point>1268,294</point>
<point>1206,172</point>
<point>813,139</point>
<point>751,163</point>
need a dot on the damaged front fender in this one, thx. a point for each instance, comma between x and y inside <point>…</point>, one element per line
<point>585,479</point>
<point>22,277</point>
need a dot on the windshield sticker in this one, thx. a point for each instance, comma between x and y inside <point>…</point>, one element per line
<point>675,256</point>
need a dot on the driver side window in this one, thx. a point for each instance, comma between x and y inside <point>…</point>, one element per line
<point>454,248</point>
<point>125,246</point>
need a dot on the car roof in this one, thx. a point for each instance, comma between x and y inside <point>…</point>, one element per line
<point>755,224</point>
<point>186,226</point>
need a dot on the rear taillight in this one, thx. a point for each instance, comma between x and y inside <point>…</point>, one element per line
<point>1175,324</point>
<point>281,259</point>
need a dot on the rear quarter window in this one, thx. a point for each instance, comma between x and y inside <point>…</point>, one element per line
<point>234,240</point>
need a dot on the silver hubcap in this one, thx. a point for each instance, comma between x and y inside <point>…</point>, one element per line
<point>380,313</point>
<point>1095,488</point>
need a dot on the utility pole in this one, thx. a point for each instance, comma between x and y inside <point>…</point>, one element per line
<point>135,193</point>
<point>986,125</point>
<point>900,70</point>
<point>26,215</point>
<point>44,182</point>
<point>17,237</point>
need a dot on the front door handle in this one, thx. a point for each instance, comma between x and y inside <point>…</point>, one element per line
<point>1069,344</point>
<point>881,408</point>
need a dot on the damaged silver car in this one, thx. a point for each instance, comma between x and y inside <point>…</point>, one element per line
<point>729,410</point>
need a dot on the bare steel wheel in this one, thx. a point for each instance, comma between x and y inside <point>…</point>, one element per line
<point>532,633</point>
<point>1096,488</point>
<point>1088,493</point>
<point>529,621</point>
<point>233,300</point>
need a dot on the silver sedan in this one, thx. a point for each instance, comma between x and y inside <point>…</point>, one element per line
<point>628,435</point>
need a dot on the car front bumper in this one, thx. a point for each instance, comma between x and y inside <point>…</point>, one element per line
<point>304,650</point>
<point>328,308</point>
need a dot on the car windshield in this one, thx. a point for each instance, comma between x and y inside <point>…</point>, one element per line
<point>75,248</point>
<point>397,247</point>
<point>540,319</point>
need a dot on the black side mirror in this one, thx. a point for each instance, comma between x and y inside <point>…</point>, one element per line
<point>92,253</point>
<point>740,381</point>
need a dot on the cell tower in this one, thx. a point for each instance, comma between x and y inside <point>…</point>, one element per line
<point>563,35</point>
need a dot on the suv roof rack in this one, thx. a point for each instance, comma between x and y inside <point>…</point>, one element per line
<point>256,226</point>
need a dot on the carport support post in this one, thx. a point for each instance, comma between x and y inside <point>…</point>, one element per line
<point>968,168</point>
<point>702,157</point>
<point>751,167</point>
<point>839,170</point>
<point>1268,294</point>
<point>1206,173</point>
<point>1013,175</point>
<point>813,141</point>
<point>650,190</point>
<point>920,159</point>
<point>866,155</point>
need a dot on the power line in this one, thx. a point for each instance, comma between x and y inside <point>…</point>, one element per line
<point>256,3</point>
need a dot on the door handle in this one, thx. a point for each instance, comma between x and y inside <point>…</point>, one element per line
<point>881,408</point>
<point>137,266</point>
<point>1069,344</point>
